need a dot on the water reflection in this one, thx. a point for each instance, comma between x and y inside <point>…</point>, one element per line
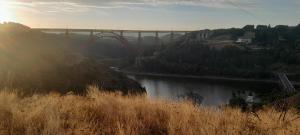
<point>208,93</point>
<point>191,96</point>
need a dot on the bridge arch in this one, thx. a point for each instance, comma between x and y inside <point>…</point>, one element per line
<point>119,37</point>
<point>132,50</point>
<point>122,39</point>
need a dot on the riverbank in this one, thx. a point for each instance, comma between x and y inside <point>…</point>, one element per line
<point>217,78</point>
<point>212,78</point>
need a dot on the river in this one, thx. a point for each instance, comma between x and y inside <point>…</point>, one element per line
<point>212,93</point>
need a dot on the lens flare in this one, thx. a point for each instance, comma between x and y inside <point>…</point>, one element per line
<point>5,14</point>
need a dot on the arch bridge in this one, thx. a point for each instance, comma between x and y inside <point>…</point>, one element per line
<point>117,34</point>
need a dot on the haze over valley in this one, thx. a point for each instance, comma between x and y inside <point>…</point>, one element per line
<point>149,67</point>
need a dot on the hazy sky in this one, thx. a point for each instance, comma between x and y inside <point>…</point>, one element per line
<point>150,14</point>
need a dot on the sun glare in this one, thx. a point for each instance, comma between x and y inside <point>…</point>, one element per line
<point>5,14</point>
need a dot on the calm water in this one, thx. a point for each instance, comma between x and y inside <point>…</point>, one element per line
<point>212,93</point>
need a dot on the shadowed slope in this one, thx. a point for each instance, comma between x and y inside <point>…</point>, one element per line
<point>32,60</point>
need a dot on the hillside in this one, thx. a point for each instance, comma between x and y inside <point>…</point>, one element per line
<point>33,60</point>
<point>111,113</point>
<point>275,49</point>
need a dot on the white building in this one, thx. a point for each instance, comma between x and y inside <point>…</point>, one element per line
<point>244,41</point>
<point>247,38</point>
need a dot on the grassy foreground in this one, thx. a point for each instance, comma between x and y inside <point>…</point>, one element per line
<point>111,113</point>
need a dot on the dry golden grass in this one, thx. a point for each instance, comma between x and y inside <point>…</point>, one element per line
<point>111,113</point>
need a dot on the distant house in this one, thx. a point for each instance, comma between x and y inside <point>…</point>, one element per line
<point>249,28</point>
<point>246,39</point>
<point>281,38</point>
<point>203,35</point>
<point>262,27</point>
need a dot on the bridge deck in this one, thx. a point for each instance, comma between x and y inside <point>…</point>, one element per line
<point>110,30</point>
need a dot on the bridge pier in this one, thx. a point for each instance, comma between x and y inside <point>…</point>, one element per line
<point>67,38</point>
<point>67,33</point>
<point>157,37</point>
<point>92,35</point>
<point>172,37</point>
<point>121,33</point>
<point>139,38</point>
